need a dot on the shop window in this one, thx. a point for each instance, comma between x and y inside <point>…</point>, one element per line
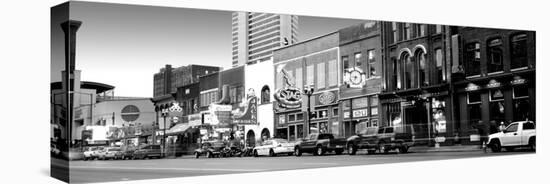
<point>372,63</point>
<point>373,105</point>
<point>522,106</point>
<point>438,115</point>
<point>519,51</point>
<point>474,98</point>
<point>335,112</point>
<point>440,66</point>
<point>313,128</point>
<point>292,133</point>
<point>494,54</point>
<point>265,95</point>
<point>496,107</point>
<point>291,117</point>
<point>300,131</point>
<point>473,59</point>
<point>299,116</point>
<point>394,114</point>
<point>323,127</point>
<point>423,71</point>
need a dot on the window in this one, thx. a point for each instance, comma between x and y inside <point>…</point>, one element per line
<point>310,75</point>
<point>396,70</point>
<point>372,63</point>
<point>410,71</point>
<point>494,54</point>
<point>438,28</point>
<point>528,126</point>
<point>496,106</point>
<point>357,60</point>
<point>332,73</point>
<point>474,98</point>
<point>373,105</point>
<point>291,117</point>
<point>335,112</point>
<point>439,65</point>
<point>522,107</point>
<point>394,32</point>
<point>512,128</point>
<point>419,30</point>
<point>265,95</point>
<point>299,81</point>
<point>406,31</point>
<point>423,71</point>
<point>473,59</point>
<point>299,116</point>
<point>345,63</point>
<point>321,75</point>
<point>519,51</point>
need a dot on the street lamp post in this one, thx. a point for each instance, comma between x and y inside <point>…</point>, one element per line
<point>308,91</point>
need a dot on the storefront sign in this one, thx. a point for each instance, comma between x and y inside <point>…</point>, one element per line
<point>354,77</point>
<point>289,97</point>
<point>493,84</point>
<point>220,114</point>
<point>194,119</point>
<point>327,97</point>
<point>360,113</point>
<point>250,115</point>
<point>346,114</point>
<point>472,87</point>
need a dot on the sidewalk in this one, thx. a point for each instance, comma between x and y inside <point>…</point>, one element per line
<point>455,148</point>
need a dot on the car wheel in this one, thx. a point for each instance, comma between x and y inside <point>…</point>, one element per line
<point>255,153</point>
<point>320,151</point>
<point>404,149</point>
<point>496,147</point>
<point>351,149</point>
<point>271,153</point>
<point>297,151</point>
<point>532,144</point>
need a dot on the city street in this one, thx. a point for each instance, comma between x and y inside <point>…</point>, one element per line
<point>123,170</point>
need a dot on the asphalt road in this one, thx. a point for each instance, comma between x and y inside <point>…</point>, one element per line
<point>124,170</point>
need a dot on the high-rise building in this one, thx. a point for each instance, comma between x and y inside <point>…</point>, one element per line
<point>256,35</point>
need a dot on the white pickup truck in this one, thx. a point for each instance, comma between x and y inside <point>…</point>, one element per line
<point>517,134</point>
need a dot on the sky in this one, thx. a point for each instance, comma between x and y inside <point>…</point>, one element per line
<point>125,45</point>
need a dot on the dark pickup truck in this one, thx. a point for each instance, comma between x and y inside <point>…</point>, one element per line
<point>319,144</point>
<point>383,139</point>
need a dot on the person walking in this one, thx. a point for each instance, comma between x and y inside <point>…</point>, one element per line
<point>482,134</point>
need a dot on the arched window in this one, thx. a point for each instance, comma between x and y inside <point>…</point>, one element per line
<point>409,72</point>
<point>494,54</point>
<point>519,50</point>
<point>423,67</point>
<point>265,95</point>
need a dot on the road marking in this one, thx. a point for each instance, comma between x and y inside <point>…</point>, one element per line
<point>167,168</point>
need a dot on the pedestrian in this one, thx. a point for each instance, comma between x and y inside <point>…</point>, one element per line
<point>502,127</point>
<point>482,133</point>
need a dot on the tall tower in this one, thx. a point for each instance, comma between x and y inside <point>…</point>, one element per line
<point>256,35</point>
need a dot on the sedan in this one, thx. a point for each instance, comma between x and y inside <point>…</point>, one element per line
<point>273,147</point>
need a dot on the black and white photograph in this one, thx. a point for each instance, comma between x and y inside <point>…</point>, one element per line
<point>146,92</point>
<point>154,93</point>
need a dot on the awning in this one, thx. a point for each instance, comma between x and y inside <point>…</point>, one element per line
<point>177,129</point>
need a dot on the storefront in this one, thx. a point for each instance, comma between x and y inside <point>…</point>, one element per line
<point>358,114</point>
<point>486,104</point>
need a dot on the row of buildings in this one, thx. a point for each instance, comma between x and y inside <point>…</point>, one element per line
<point>446,81</point>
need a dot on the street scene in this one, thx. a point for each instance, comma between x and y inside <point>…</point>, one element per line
<point>204,92</point>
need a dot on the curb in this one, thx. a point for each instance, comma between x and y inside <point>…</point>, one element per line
<point>461,149</point>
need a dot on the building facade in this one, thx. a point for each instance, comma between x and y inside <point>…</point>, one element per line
<point>309,64</point>
<point>493,78</point>
<point>361,69</point>
<point>168,79</point>
<point>256,35</point>
<point>416,84</point>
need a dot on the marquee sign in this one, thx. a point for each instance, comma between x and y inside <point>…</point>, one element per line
<point>354,77</point>
<point>250,115</point>
<point>289,96</point>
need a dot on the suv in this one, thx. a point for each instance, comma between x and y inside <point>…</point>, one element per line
<point>383,139</point>
<point>147,151</point>
<point>320,143</point>
<point>517,134</point>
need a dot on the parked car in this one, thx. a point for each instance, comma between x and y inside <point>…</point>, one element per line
<point>210,149</point>
<point>127,152</point>
<point>147,151</point>
<point>89,153</point>
<point>367,139</point>
<point>517,134</point>
<point>273,147</point>
<point>399,138</point>
<point>319,144</point>
<point>110,153</point>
